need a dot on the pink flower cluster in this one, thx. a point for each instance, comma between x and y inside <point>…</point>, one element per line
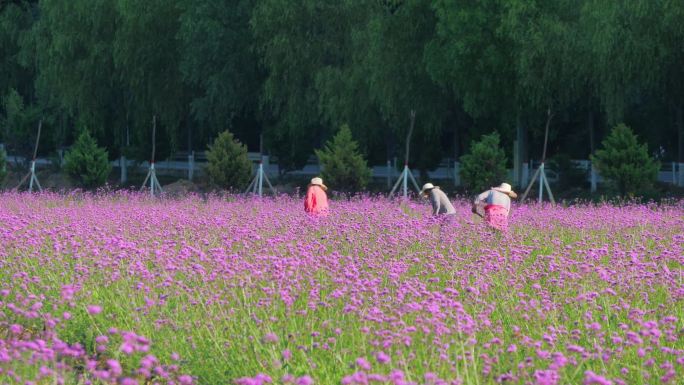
<point>124,289</point>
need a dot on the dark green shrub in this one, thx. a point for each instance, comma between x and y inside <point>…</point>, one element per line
<point>485,165</point>
<point>626,163</point>
<point>86,163</point>
<point>570,176</point>
<point>228,165</point>
<point>343,167</point>
<point>3,165</point>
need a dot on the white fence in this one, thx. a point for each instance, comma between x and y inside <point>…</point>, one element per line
<point>188,165</point>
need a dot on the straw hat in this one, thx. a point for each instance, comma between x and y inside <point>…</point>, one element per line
<point>318,182</point>
<point>427,187</point>
<point>506,189</point>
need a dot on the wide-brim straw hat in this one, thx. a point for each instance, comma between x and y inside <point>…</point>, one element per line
<point>318,182</point>
<point>506,189</point>
<point>427,187</point>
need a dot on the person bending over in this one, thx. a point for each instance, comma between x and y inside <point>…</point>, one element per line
<point>440,202</point>
<point>497,205</point>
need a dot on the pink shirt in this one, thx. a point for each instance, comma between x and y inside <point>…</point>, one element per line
<point>316,201</point>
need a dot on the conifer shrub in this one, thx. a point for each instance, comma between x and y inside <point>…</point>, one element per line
<point>228,166</point>
<point>343,166</point>
<point>86,163</point>
<point>485,165</point>
<point>625,163</point>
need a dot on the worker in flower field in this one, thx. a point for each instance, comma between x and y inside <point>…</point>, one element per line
<point>497,205</point>
<point>316,201</point>
<point>440,202</point>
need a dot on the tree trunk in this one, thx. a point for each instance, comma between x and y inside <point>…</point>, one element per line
<point>457,141</point>
<point>680,131</point>
<point>189,127</point>
<point>590,126</point>
<point>521,138</point>
<point>592,148</point>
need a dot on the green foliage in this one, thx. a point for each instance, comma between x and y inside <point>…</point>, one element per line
<point>3,165</point>
<point>228,165</point>
<point>87,163</point>
<point>625,162</point>
<point>472,55</point>
<point>295,70</point>
<point>16,72</point>
<point>146,56</point>
<point>544,34</point>
<point>570,176</point>
<point>74,46</point>
<point>295,39</point>
<point>344,168</point>
<point>217,58</point>
<point>18,125</point>
<point>485,165</point>
<point>395,65</point>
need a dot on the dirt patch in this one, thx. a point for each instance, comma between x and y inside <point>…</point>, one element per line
<point>48,181</point>
<point>181,187</point>
<point>55,181</point>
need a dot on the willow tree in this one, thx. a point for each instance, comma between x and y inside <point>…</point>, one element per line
<point>16,70</point>
<point>18,104</point>
<point>626,50</point>
<point>544,35</point>
<point>669,69</point>
<point>295,39</point>
<point>471,55</point>
<point>397,34</point>
<point>147,56</point>
<point>218,62</point>
<point>74,44</point>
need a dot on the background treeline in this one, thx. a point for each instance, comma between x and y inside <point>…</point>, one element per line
<point>297,70</point>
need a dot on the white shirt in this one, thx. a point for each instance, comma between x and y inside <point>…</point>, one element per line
<point>493,197</point>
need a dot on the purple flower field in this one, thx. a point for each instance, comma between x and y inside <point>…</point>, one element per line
<point>123,289</point>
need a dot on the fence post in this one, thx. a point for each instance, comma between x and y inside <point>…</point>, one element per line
<point>457,173</point>
<point>681,175</point>
<point>674,173</point>
<point>191,165</point>
<point>124,171</point>
<point>394,166</point>
<point>389,174</point>
<point>516,165</point>
<point>593,176</point>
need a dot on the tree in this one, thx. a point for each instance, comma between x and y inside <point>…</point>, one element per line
<point>18,124</point>
<point>543,33</point>
<point>74,43</point>
<point>471,55</point>
<point>87,163</point>
<point>485,165</point>
<point>147,56</point>
<point>294,40</point>
<point>671,75</point>
<point>344,168</point>
<point>625,162</point>
<point>627,48</point>
<point>18,105</point>
<point>218,60</point>
<point>397,34</point>
<point>227,163</point>
<point>16,72</point>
